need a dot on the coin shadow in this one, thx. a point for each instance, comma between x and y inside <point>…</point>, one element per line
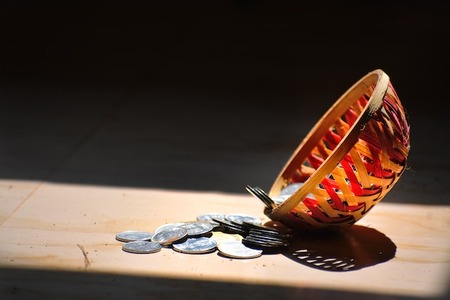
<point>342,250</point>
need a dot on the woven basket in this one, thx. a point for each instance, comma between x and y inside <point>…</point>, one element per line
<point>349,161</point>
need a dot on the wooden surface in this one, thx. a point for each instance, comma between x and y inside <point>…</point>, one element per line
<point>117,117</point>
<point>59,240</point>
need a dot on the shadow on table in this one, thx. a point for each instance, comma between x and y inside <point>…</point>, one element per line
<point>47,284</point>
<point>348,249</point>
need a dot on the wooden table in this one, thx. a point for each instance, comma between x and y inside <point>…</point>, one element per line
<point>117,117</point>
<point>58,241</point>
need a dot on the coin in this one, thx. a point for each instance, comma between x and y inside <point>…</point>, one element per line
<point>196,245</point>
<point>229,226</point>
<point>167,226</point>
<point>261,227</point>
<point>286,192</point>
<point>209,218</point>
<point>197,228</point>
<point>169,235</point>
<point>235,249</point>
<point>240,218</point>
<point>266,237</point>
<point>253,241</point>
<point>270,235</point>
<point>220,237</point>
<point>141,247</point>
<point>290,189</point>
<point>133,235</point>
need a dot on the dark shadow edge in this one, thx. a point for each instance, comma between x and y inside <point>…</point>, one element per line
<point>49,284</point>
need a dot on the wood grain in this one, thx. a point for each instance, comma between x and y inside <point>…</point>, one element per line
<point>64,235</point>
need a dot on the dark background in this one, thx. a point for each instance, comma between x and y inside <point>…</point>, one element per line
<point>206,96</point>
<point>209,95</point>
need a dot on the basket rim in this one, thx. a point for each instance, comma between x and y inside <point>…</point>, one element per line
<point>381,81</point>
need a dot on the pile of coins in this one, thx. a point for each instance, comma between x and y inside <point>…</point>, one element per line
<point>233,235</point>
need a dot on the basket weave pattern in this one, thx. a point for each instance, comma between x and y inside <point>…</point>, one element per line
<point>353,156</point>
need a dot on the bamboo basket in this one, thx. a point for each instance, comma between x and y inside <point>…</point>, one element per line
<point>349,160</point>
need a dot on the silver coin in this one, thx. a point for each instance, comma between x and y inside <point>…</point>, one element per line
<point>235,249</point>
<point>197,228</point>
<point>290,189</point>
<point>141,247</point>
<point>228,226</point>
<point>170,235</point>
<point>196,245</point>
<point>209,218</point>
<point>220,237</point>
<point>287,192</point>
<point>280,198</point>
<point>133,235</point>
<point>167,226</point>
<point>240,218</point>
<point>260,243</point>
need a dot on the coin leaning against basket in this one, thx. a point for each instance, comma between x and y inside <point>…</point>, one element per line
<point>347,163</point>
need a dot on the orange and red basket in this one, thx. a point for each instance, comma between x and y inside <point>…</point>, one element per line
<point>349,160</point>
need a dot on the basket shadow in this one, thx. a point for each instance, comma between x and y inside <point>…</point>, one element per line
<point>348,249</point>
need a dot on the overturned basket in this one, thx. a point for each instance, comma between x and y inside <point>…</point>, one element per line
<point>348,162</point>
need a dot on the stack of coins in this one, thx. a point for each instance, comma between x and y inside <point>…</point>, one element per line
<point>233,235</point>
<point>263,237</point>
